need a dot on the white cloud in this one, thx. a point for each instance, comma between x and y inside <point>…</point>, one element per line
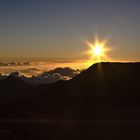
<point>47,77</point>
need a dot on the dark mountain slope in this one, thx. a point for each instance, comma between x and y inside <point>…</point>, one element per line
<point>111,85</point>
<point>103,85</point>
<point>13,89</point>
<point>101,82</point>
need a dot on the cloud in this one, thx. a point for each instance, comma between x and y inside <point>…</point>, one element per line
<point>36,80</point>
<point>31,71</point>
<point>14,64</point>
<point>46,77</point>
<point>2,76</point>
<point>63,72</point>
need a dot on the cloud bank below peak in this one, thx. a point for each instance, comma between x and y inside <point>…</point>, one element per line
<point>46,77</point>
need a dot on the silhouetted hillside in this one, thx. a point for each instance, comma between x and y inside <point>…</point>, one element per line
<point>103,85</point>
<point>103,102</point>
<point>110,84</point>
<point>13,89</point>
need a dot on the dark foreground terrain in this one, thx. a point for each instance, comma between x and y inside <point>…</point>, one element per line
<point>103,102</point>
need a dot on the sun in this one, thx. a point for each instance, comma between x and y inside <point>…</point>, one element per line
<point>98,49</point>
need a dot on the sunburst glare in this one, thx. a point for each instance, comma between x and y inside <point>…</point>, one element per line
<point>98,50</point>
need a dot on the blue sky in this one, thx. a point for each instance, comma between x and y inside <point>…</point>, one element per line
<point>58,28</point>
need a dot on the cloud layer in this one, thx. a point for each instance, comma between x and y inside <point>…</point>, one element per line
<point>46,77</point>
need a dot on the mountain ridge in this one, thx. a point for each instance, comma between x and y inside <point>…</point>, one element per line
<point>103,85</point>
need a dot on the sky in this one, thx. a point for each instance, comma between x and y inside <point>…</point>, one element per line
<point>59,28</point>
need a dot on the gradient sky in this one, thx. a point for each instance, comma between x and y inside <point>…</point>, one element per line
<point>58,28</point>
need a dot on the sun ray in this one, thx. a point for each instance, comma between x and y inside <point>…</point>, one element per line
<point>98,50</point>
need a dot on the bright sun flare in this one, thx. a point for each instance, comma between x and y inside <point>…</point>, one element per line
<point>98,50</point>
